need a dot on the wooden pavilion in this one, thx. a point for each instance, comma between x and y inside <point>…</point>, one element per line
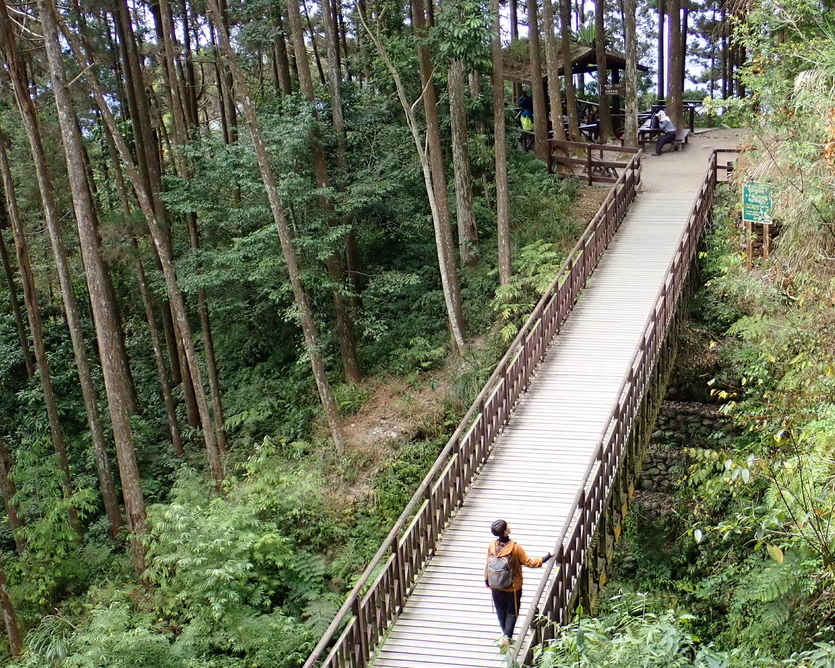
<point>517,68</point>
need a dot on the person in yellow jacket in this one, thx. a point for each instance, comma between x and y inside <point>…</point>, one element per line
<point>506,600</point>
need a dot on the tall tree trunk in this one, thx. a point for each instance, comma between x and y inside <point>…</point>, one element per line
<point>9,490</point>
<point>726,68</point>
<point>109,290</point>
<point>425,158</point>
<point>31,127</point>
<point>568,75</point>
<point>513,7</point>
<point>500,150</point>
<point>282,60</point>
<point>104,316</point>
<point>602,71</point>
<point>630,134</point>
<point>28,360</point>
<point>159,237</point>
<point>147,303</point>
<point>180,139</point>
<point>150,171</point>
<point>661,13</point>
<point>334,263</point>
<point>9,617</point>
<point>540,115</point>
<point>30,298</point>
<point>685,15</point>
<point>191,80</point>
<point>351,250</point>
<point>312,40</point>
<point>280,219</point>
<point>467,232</point>
<point>675,85</point>
<point>443,231</point>
<point>552,66</point>
<point>228,92</point>
<point>739,61</point>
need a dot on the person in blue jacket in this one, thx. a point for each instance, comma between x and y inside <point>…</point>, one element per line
<point>526,111</point>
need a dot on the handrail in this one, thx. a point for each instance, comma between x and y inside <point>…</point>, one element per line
<point>596,169</point>
<point>562,573</point>
<point>371,606</point>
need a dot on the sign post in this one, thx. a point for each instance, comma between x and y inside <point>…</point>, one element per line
<point>756,209</point>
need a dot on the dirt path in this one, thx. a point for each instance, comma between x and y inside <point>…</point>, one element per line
<point>683,171</point>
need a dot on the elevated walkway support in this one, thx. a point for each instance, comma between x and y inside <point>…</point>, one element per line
<point>552,469</point>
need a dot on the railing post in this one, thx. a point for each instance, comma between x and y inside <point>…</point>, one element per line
<point>588,162</point>
<point>362,638</point>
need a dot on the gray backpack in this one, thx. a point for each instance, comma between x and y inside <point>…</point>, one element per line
<point>499,572</point>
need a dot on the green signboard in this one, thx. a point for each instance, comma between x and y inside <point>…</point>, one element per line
<point>756,203</point>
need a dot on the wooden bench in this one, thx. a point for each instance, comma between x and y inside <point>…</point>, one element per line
<point>681,139</point>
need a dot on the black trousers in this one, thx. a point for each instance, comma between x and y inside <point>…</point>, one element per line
<point>666,138</point>
<point>507,609</point>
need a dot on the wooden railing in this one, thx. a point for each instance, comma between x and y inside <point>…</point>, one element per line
<point>596,169</point>
<point>560,582</point>
<point>381,591</point>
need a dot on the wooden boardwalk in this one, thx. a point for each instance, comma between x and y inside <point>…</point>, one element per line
<point>538,462</point>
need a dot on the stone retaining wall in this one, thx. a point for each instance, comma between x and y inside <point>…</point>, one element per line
<point>680,425</point>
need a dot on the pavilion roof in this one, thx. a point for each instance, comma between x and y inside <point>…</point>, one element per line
<point>517,61</point>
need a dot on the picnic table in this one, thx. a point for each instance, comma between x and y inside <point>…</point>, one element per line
<point>648,134</point>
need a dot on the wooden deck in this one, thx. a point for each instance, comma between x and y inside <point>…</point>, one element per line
<point>538,462</point>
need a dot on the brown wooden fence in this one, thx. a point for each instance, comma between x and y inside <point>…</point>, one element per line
<point>381,591</point>
<point>560,583</point>
<point>596,168</point>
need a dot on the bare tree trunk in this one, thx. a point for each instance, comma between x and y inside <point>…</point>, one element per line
<point>605,115</point>
<point>443,231</point>
<point>30,298</point>
<point>147,303</point>
<point>191,82</point>
<point>739,60</point>
<point>9,490</point>
<point>228,92</point>
<point>685,15</point>
<point>180,138</point>
<point>500,149</point>
<point>630,135</point>
<point>334,263</point>
<point>28,360</point>
<point>351,250</point>
<point>661,13</point>
<point>513,6</point>
<point>568,76</point>
<point>467,232</point>
<point>312,41</point>
<point>31,127</point>
<point>552,67</point>
<point>159,361</point>
<point>726,68</point>
<point>104,316</point>
<point>159,238</point>
<point>540,115</point>
<point>282,60</point>
<point>306,313</point>
<point>675,85</point>
<point>9,617</point>
<point>149,169</point>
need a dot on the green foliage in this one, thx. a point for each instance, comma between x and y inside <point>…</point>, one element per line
<point>629,634</point>
<point>534,270</point>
